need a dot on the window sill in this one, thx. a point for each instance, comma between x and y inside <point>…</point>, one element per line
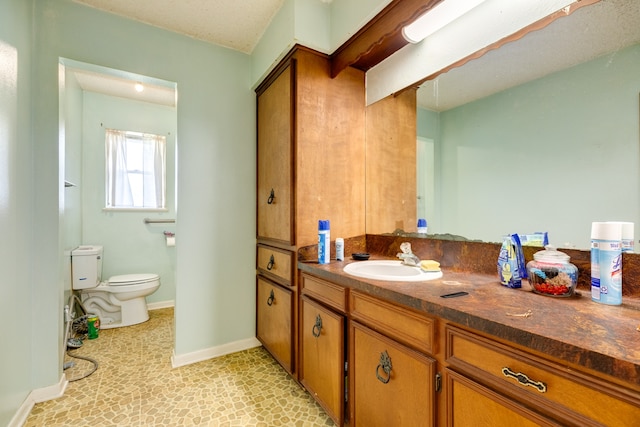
<point>135,209</point>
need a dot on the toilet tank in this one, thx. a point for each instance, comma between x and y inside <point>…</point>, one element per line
<point>86,267</point>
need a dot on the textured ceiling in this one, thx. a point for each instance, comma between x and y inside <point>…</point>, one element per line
<point>590,32</point>
<point>236,24</point>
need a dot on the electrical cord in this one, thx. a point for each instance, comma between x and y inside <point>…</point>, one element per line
<point>89,359</point>
<point>79,328</point>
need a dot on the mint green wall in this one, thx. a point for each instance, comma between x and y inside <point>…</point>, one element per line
<point>72,106</point>
<point>348,16</point>
<point>130,246</point>
<point>215,254</point>
<point>16,296</point>
<point>428,123</point>
<point>305,22</point>
<point>428,127</point>
<point>562,147</point>
<point>277,40</point>
<point>312,24</point>
<point>216,163</point>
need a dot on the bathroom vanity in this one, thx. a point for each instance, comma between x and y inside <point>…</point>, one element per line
<point>385,353</point>
<point>496,356</point>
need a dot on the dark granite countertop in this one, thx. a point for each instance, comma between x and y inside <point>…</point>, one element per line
<point>577,330</point>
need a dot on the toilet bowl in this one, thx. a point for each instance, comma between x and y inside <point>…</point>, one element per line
<point>118,301</point>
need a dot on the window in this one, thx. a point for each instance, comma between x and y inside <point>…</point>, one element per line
<point>135,170</point>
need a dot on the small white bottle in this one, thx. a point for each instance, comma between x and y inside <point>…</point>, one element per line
<point>422,226</point>
<point>339,249</point>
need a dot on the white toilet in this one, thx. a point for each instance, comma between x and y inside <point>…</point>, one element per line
<point>119,301</point>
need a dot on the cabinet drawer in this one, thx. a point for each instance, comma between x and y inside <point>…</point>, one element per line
<point>554,389</point>
<point>403,325</point>
<point>322,356</point>
<point>390,384</point>
<point>276,264</point>
<point>274,314</point>
<point>471,404</point>
<point>326,292</point>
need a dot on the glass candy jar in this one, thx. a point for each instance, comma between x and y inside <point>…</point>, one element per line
<point>550,273</point>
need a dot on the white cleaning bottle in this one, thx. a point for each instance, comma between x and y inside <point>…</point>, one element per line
<point>606,262</point>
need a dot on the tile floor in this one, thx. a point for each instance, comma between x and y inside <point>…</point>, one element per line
<point>135,385</point>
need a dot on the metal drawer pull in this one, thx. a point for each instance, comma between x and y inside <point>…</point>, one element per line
<point>524,380</point>
<point>385,364</point>
<point>317,327</point>
<point>272,196</point>
<point>272,261</point>
<point>271,298</point>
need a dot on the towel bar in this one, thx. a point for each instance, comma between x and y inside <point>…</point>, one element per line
<point>158,221</point>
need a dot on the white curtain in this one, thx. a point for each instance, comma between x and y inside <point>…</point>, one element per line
<point>135,169</point>
<point>118,187</point>
<point>155,150</point>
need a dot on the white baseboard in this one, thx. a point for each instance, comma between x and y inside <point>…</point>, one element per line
<point>37,396</point>
<point>160,304</point>
<point>213,352</point>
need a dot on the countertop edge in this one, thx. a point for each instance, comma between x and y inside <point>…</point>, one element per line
<point>570,353</point>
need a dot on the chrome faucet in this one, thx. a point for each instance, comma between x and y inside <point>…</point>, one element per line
<point>408,257</point>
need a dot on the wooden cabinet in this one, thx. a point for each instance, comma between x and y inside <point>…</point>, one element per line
<point>311,150</point>
<point>400,323</point>
<point>516,380</point>
<point>274,312</point>
<point>390,384</point>
<point>276,264</point>
<point>310,166</point>
<point>323,344</point>
<point>472,404</point>
<point>408,368</point>
<point>322,370</point>
<point>275,159</point>
<point>390,381</point>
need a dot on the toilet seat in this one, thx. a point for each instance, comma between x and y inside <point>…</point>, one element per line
<point>127,283</point>
<point>131,279</point>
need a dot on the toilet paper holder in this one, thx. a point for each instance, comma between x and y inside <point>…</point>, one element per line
<point>170,238</point>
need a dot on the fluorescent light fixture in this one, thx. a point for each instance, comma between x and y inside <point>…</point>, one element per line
<point>444,13</point>
<point>139,87</point>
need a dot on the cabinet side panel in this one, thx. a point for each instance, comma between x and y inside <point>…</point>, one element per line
<point>330,149</point>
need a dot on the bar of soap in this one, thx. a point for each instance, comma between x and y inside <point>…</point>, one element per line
<point>430,265</point>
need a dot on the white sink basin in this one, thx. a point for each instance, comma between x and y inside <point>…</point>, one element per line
<point>390,270</point>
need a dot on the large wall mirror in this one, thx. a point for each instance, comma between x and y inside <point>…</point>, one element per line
<point>541,134</point>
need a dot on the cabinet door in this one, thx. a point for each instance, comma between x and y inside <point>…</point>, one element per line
<point>471,404</point>
<point>274,321</point>
<point>275,159</point>
<point>391,385</point>
<point>322,357</point>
